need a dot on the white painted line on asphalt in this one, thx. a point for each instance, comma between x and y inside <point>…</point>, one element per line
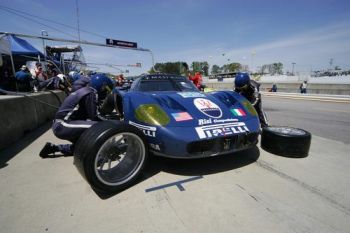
<point>312,98</point>
<point>332,110</point>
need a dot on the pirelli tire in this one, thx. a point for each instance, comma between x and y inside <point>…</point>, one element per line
<point>111,155</point>
<point>286,141</point>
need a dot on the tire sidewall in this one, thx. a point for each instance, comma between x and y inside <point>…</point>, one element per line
<point>93,145</point>
<point>285,144</point>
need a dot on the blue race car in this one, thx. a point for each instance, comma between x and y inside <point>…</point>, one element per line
<point>167,116</point>
<point>179,121</point>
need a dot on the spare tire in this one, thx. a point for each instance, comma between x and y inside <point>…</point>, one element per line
<point>110,155</point>
<point>286,141</point>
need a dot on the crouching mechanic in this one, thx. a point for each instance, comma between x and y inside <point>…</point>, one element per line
<point>250,90</point>
<point>78,112</point>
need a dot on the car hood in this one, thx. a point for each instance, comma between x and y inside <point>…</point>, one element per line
<point>190,109</point>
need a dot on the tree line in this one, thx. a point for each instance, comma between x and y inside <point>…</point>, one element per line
<point>182,68</point>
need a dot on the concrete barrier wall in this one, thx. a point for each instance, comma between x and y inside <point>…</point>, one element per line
<point>313,88</point>
<point>20,114</point>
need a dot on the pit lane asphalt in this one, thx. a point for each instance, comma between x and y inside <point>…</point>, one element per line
<point>322,116</point>
<point>251,191</point>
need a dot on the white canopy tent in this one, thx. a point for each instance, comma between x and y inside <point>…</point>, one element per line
<point>5,48</point>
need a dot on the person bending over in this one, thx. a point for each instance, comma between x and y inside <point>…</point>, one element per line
<point>250,90</point>
<point>77,113</point>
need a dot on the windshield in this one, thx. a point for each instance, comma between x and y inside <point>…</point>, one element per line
<point>166,84</point>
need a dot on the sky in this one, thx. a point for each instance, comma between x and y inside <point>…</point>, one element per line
<point>308,33</point>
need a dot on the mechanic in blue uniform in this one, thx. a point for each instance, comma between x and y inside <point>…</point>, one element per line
<point>78,112</point>
<point>23,78</point>
<point>82,80</point>
<point>250,90</point>
<point>56,82</point>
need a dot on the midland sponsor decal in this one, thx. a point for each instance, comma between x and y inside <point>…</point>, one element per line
<point>207,107</point>
<point>155,146</point>
<point>238,112</point>
<point>210,131</point>
<point>147,130</point>
<point>181,116</point>
<point>191,94</point>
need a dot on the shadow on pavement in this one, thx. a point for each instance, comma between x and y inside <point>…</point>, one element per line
<point>211,165</point>
<point>11,151</point>
<point>194,167</point>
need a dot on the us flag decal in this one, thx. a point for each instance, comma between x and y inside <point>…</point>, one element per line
<point>181,116</point>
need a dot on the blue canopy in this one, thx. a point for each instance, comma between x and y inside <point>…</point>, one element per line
<point>22,47</point>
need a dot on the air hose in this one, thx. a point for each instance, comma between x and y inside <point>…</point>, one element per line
<point>27,94</point>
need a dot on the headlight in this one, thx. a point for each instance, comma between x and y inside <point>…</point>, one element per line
<point>151,114</point>
<point>249,107</point>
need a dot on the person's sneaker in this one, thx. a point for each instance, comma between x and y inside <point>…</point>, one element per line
<point>48,149</point>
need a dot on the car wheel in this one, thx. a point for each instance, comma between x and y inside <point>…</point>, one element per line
<point>111,155</point>
<point>286,141</point>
